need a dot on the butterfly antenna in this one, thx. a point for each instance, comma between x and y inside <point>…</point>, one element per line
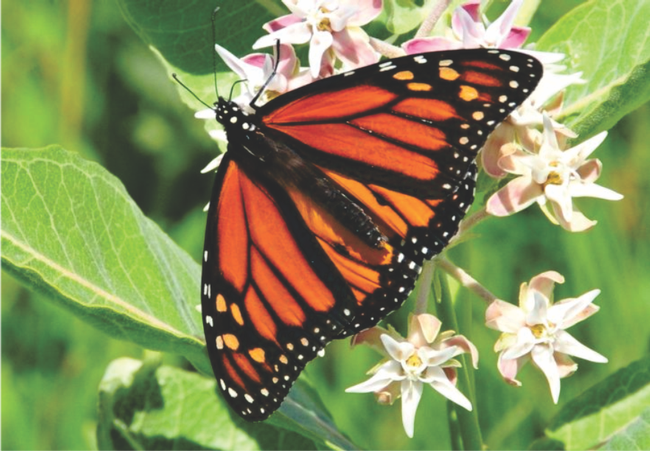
<point>232,88</point>
<point>268,80</point>
<point>214,52</point>
<point>178,80</point>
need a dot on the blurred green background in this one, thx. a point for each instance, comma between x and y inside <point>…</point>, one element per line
<point>75,74</point>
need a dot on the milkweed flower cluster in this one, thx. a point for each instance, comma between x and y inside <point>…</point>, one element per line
<point>529,147</point>
<point>552,176</point>
<point>536,331</point>
<point>425,358</point>
<point>331,27</point>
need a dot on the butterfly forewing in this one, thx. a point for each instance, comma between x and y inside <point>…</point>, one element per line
<point>330,199</point>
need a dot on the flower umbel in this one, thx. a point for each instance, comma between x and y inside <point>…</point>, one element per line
<point>470,30</point>
<point>427,357</point>
<point>332,27</point>
<point>551,176</point>
<point>536,331</point>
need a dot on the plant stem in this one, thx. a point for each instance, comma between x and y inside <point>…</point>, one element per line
<point>426,279</point>
<point>470,432</point>
<point>465,279</point>
<point>427,26</point>
<point>386,49</point>
<point>469,222</point>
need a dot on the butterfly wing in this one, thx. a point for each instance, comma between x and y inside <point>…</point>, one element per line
<point>271,298</point>
<point>400,139</point>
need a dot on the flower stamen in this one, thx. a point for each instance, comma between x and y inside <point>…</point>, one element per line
<point>538,330</point>
<point>414,361</point>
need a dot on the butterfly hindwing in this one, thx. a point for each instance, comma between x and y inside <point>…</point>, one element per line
<point>329,200</point>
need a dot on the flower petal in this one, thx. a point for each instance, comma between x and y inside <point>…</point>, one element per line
<point>499,30</point>
<point>584,149</point>
<point>281,22</point>
<point>593,190</point>
<point>510,367</point>
<point>561,201</point>
<point>430,44</point>
<point>466,27</point>
<point>353,48</point>
<point>443,386</point>
<point>433,357</point>
<point>365,11</point>
<point>567,311</point>
<point>423,329</point>
<point>566,344</point>
<point>241,68</point>
<point>505,317</point>
<point>517,195</point>
<point>577,223</point>
<point>590,170</point>
<point>545,282</point>
<point>463,345</point>
<point>320,42</point>
<point>297,33</point>
<point>492,150</point>
<point>543,358</point>
<point>515,38</point>
<point>387,373</point>
<point>399,351</point>
<point>524,344</point>
<point>411,394</point>
<point>538,313</point>
<point>565,365</point>
<point>372,337</point>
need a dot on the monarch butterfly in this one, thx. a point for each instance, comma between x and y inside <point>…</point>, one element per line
<point>330,198</point>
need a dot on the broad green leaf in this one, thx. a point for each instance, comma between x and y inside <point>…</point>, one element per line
<point>146,406</point>
<point>181,30</point>
<point>180,34</point>
<point>610,407</point>
<point>70,229</point>
<point>635,436</point>
<point>609,42</point>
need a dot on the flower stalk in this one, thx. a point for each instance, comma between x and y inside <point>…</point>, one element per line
<point>470,432</point>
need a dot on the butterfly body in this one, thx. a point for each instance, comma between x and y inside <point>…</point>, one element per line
<point>330,198</point>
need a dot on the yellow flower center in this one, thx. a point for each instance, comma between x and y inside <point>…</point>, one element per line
<point>538,330</point>
<point>554,177</point>
<point>324,24</point>
<point>414,361</point>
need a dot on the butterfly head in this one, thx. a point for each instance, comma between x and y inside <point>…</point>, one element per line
<point>234,119</point>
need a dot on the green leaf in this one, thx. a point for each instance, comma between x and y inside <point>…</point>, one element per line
<point>180,33</point>
<point>635,436</point>
<point>403,16</point>
<point>609,42</point>
<point>146,406</point>
<point>613,406</point>
<point>181,30</point>
<point>70,229</point>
